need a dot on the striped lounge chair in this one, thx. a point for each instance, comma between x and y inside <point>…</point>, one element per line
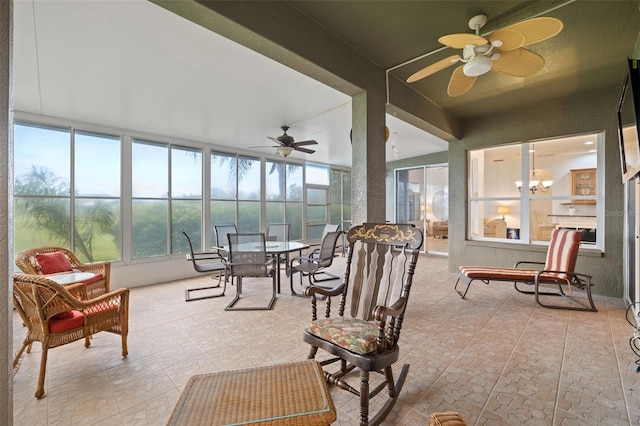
<point>558,269</point>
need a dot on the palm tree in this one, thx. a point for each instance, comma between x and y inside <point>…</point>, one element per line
<point>44,203</point>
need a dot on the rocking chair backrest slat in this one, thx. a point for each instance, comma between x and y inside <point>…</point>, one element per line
<point>378,269</point>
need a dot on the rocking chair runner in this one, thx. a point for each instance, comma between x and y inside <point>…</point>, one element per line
<point>364,336</point>
<point>557,270</point>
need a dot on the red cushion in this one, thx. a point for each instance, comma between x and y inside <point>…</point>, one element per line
<point>64,315</point>
<point>92,280</point>
<point>61,325</point>
<point>53,263</point>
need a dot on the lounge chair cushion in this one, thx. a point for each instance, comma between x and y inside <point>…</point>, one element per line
<point>352,334</point>
<point>509,274</point>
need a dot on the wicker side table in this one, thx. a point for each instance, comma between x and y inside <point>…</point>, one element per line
<point>286,394</point>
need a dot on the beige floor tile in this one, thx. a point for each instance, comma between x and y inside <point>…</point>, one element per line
<point>495,357</point>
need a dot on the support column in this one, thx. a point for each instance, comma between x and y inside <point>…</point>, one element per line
<point>6,207</point>
<point>368,186</point>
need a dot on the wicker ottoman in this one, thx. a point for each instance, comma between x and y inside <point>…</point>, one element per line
<point>446,419</point>
<point>286,394</point>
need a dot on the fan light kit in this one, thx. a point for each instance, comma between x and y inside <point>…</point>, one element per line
<point>502,51</point>
<point>284,150</point>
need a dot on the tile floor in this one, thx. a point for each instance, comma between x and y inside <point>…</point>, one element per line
<point>497,358</point>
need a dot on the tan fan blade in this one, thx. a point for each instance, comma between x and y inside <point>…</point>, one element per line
<point>434,68</point>
<point>518,63</point>
<point>460,41</point>
<point>526,32</point>
<point>459,83</point>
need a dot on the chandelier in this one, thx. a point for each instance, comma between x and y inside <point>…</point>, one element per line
<point>535,184</point>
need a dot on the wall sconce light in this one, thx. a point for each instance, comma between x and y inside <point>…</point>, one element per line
<point>503,210</point>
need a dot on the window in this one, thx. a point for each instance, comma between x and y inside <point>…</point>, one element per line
<point>235,191</point>
<point>522,192</point>
<point>166,188</point>
<point>150,204</point>
<point>53,206</point>
<point>186,198</point>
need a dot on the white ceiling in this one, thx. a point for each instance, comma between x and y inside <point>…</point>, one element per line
<point>134,66</point>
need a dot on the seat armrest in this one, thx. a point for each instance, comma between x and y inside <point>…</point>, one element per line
<point>323,291</point>
<point>381,312</point>
<point>526,262</point>
<point>205,256</point>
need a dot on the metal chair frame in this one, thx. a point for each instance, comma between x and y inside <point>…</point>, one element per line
<point>316,262</point>
<point>250,263</point>
<point>202,262</point>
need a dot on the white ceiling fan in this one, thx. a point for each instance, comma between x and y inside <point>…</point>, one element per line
<point>503,51</point>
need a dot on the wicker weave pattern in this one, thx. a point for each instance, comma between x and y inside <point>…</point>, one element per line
<point>37,299</point>
<point>446,419</point>
<point>287,394</point>
<point>26,261</point>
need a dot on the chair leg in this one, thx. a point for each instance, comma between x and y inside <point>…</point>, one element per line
<point>328,274</point>
<point>364,398</point>
<point>590,308</point>
<point>455,287</point>
<point>16,359</point>
<point>125,350</point>
<point>230,306</point>
<point>43,370</point>
<point>189,298</point>
<point>292,273</point>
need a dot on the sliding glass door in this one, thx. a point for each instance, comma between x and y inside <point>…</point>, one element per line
<point>422,199</point>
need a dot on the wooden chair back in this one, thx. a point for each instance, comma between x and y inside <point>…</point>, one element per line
<point>379,272</point>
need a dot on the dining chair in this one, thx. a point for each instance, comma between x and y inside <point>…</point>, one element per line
<point>278,232</point>
<point>558,270</point>
<point>248,258</point>
<point>363,334</point>
<point>221,237</point>
<point>206,262</point>
<point>54,316</point>
<point>316,262</point>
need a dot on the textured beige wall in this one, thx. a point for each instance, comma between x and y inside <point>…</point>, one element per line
<point>592,112</point>
<point>6,235</point>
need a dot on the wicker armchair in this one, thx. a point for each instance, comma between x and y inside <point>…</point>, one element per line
<point>54,316</point>
<point>27,261</point>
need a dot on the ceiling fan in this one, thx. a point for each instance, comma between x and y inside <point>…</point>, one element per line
<point>503,51</point>
<point>286,144</point>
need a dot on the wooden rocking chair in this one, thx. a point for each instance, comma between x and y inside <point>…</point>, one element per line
<point>364,335</point>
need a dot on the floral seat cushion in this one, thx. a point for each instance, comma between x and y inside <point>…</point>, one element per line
<point>352,334</point>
